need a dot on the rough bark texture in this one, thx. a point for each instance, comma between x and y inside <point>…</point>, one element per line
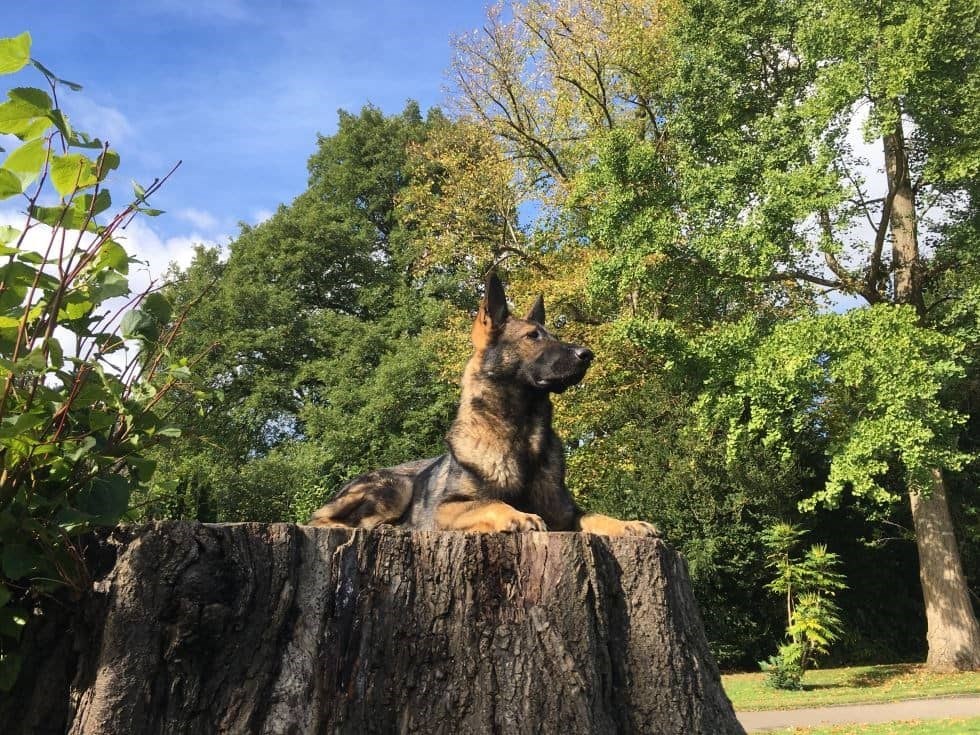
<point>953,633</point>
<point>289,629</point>
<point>902,218</point>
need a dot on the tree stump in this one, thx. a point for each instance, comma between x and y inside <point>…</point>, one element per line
<point>252,628</point>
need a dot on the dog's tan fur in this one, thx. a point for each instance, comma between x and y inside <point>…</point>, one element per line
<point>505,468</point>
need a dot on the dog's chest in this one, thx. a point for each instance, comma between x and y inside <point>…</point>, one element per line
<point>505,458</point>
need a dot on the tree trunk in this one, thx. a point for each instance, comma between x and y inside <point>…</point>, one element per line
<point>953,634</point>
<point>289,629</point>
<point>902,219</point>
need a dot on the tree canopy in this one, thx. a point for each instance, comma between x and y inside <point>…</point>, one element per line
<point>761,216</point>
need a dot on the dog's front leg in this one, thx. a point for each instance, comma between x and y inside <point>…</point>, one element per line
<point>486,516</point>
<point>608,526</point>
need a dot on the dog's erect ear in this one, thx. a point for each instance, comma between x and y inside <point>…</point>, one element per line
<point>492,313</point>
<point>495,301</point>
<point>536,314</point>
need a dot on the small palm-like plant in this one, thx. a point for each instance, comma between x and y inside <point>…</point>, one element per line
<point>809,584</point>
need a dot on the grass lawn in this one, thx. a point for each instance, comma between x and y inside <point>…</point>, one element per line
<point>825,687</point>
<point>969,726</point>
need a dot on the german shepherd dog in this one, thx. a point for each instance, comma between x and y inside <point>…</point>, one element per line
<point>505,468</point>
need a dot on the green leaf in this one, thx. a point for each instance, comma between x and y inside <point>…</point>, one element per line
<point>143,467</point>
<point>99,420</point>
<point>93,205</point>
<point>76,306</point>
<point>17,274</point>
<point>72,172</point>
<point>61,122</point>
<point>27,161</point>
<point>44,70</point>
<point>4,595</point>
<point>73,217</point>
<point>83,448</point>
<point>113,256</point>
<point>29,256</point>
<point>55,352</point>
<point>138,324</point>
<point>111,284</point>
<point>8,234</point>
<point>107,498</point>
<point>83,140</point>
<point>9,184</point>
<point>53,78</point>
<point>33,96</point>
<point>72,520</point>
<point>15,53</point>
<point>17,560</point>
<point>16,278</point>
<point>108,161</point>
<point>22,119</point>
<point>158,306</point>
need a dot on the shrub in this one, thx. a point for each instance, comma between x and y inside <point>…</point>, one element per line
<point>83,360</point>
<point>809,584</point>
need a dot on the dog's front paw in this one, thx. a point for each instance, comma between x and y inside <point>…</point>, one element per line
<point>496,517</point>
<point>509,520</point>
<point>607,526</point>
<point>640,528</point>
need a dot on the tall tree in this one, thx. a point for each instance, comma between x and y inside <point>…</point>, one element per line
<point>809,77</point>
<point>317,335</point>
<point>740,183</point>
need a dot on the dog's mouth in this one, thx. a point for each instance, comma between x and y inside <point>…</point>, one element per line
<point>558,384</point>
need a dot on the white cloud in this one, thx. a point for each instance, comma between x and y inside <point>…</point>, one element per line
<point>198,217</point>
<point>158,253</point>
<point>140,240</point>
<point>99,121</point>
<point>261,215</point>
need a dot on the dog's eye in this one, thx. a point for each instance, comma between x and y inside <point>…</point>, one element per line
<point>533,335</point>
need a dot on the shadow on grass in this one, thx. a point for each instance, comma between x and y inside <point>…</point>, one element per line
<point>875,677</point>
<point>879,675</point>
<point>824,687</point>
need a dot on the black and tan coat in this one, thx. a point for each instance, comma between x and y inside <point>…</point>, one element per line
<point>505,468</point>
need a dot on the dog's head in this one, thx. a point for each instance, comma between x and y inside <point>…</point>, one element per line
<point>522,350</point>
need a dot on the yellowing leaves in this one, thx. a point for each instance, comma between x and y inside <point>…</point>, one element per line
<point>462,202</point>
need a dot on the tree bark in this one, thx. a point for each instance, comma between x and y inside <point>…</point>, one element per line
<point>907,282</point>
<point>953,634</point>
<point>252,628</point>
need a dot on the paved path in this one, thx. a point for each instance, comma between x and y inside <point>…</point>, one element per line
<point>849,714</point>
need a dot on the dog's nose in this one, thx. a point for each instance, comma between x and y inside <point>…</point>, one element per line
<point>584,354</point>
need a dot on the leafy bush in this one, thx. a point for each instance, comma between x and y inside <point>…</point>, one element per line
<point>785,669</point>
<point>83,360</point>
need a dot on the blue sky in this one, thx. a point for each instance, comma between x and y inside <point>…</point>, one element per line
<point>236,89</point>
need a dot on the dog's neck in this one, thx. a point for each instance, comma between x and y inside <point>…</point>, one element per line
<point>505,453</point>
